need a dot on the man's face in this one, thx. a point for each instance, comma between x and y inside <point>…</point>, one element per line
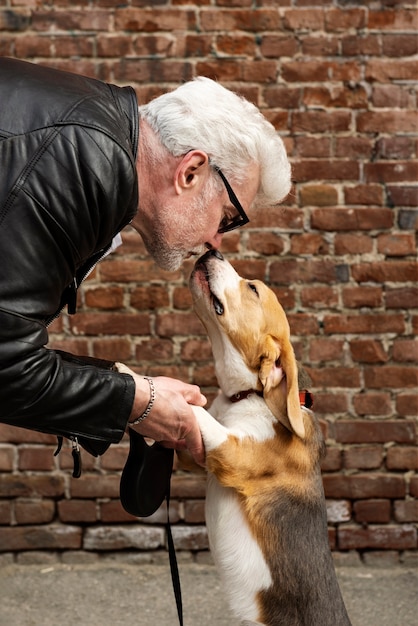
<point>175,227</point>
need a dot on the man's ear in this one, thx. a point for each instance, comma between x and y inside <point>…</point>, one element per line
<point>190,171</point>
<point>279,376</point>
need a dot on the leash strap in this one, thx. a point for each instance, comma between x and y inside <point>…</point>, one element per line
<point>175,576</point>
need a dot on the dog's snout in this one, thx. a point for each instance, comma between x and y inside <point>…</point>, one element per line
<point>209,254</point>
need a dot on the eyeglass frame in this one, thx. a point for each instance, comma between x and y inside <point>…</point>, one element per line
<point>239,220</point>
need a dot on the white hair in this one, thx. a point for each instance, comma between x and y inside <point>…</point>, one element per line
<point>201,114</point>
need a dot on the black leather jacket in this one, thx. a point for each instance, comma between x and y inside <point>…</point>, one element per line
<point>68,185</point>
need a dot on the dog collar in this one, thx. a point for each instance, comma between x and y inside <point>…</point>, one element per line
<point>305,397</point>
<point>241,395</point>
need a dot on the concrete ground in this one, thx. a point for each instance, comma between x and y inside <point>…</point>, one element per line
<point>118,594</point>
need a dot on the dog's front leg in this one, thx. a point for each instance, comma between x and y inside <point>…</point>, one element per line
<point>213,433</point>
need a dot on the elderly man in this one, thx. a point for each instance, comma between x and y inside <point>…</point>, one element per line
<point>79,160</point>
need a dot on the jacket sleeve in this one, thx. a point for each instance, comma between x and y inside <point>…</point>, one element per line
<point>56,393</point>
<point>68,188</point>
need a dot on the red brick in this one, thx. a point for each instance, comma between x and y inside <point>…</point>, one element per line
<point>364,486</point>
<point>396,244</point>
<point>318,46</point>
<point>51,537</point>
<point>35,458</point>
<point>364,194</point>
<point>377,537</point>
<point>407,404</point>
<point>413,487</point>
<point>330,377</point>
<point>351,219</point>
<point>237,45</point>
<point>73,19</point>
<point>194,512</point>
<point>373,404</point>
<point>13,486</point>
<point>104,298</point>
<point>34,511</point>
<point>354,98</point>
<point>5,513</point>
<point>6,458</point>
<point>110,324</point>
<point>109,45</point>
<point>319,297</point>
<point>309,243</point>
<point>277,46</point>
<point>404,195</point>
<point>344,19</point>
<point>402,458</point>
<point>331,403</point>
<point>112,512</point>
<point>265,243</point>
<point>304,19</point>
<point>289,271</point>
<point>402,19</point>
<point>354,147</point>
<point>312,147</point>
<point>391,96</point>
<point>384,71</point>
<point>332,461</point>
<point>182,298</point>
<point>348,243</point>
<point>396,147</point>
<point>77,511</point>
<point>95,486</point>
<point>405,350</point>
<point>112,349</point>
<point>318,195</point>
<point>355,431</point>
<point>314,121</point>
<point>363,457</point>
<point>192,486</point>
<point>366,43</point>
<point>391,377</point>
<point>368,351</point>
<point>196,350</point>
<point>235,19</point>
<point>154,350</point>
<point>149,297</point>
<point>372,511</point>
<point>377,323</point>
<point>406,511</point>
<point>127,271</point>
<point>357,297</point>
<point>396,172</point>
<point>401,297</point>
<point>150,20</point>
<point>323,349</point>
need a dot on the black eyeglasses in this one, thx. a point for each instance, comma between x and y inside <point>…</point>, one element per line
<point>229,224</point>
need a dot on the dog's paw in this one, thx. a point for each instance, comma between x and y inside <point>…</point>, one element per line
<point>213,433</point>
<point>123,369</point>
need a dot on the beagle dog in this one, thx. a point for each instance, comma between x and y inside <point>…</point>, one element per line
<point>265,505</point>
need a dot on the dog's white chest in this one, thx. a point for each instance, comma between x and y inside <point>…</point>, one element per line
<point>236,553</point>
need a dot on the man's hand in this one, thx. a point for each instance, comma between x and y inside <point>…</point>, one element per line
<point>171,420</point>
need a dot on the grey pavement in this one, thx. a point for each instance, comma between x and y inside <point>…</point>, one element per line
<point>116,594</point>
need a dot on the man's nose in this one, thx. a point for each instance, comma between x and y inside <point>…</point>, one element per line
<point>215,242</point>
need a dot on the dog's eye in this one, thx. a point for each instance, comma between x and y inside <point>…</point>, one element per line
<point>253,288</point>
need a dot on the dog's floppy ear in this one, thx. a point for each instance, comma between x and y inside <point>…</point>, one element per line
<point>279,377</point>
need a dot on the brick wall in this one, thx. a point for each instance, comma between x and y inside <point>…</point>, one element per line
<point>336,79</point>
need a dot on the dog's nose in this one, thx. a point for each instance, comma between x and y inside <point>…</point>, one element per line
<point>216,253</point>
<point>210,253</point>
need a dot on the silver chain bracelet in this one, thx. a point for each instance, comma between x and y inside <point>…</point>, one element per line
<point>150,404</point>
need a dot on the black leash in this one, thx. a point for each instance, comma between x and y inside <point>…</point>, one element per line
<point>144,484</point>
<point>175,576</point>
